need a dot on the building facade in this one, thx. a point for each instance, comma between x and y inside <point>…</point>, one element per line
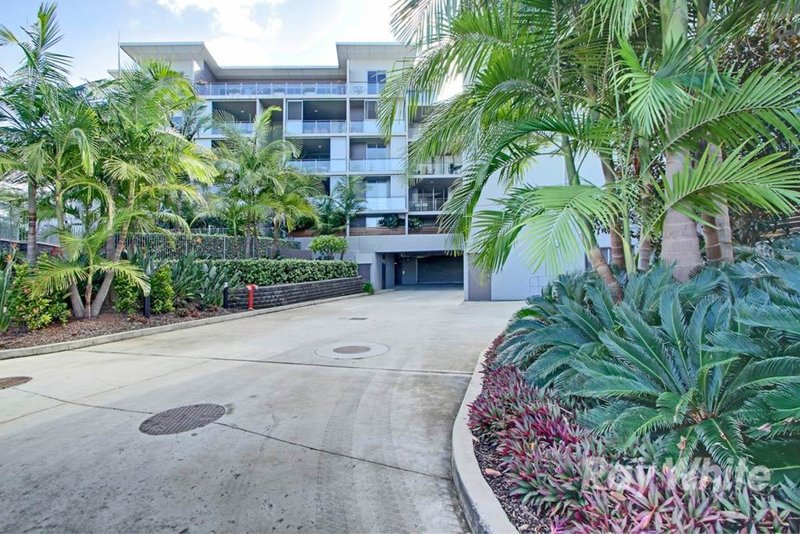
<point>331,113</point>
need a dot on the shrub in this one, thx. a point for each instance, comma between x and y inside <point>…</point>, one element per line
<point>268,272</point>
<point>707,365</point>
<point>162,295</point>
<point>328,245</point>
<point>571,480</point>
<point>368,288</point>
<point>199,282</point>
<point>30,306</point>
<point>127,295</point>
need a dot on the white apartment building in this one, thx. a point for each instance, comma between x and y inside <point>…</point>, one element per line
<point>331,113</point>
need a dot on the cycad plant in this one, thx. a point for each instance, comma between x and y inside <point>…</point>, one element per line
<point>708,367</point>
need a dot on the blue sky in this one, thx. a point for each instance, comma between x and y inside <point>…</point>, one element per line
<point>237,32</point>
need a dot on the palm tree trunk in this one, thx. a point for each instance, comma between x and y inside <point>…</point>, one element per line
<point>87,296</point>
<point>31,240</point>
<point>602,269</point>
<point>645,252</point>
<point>617,249</point>
<point>102,293</point>
<point>711,236</point>
<point>75,301</point>
<point>725,234</point>
<point>681,245</point>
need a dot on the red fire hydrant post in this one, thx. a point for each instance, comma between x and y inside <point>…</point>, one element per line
<point>251,288</point>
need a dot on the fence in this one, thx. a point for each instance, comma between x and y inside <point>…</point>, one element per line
<point>173,246</point>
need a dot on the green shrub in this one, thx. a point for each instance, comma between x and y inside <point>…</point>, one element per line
<point>30,306</point>
<point>267,272</point>
<point>368,288</point>
<point>328,245</point>
<point>198,282</point>
<point>127,295</point>
<point>6,282</point>
<point>162,295</point>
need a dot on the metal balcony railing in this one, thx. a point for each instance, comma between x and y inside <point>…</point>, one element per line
<point>238,89</point>
<point>390,165</point>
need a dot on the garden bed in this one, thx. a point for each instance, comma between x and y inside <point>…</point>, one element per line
<point>107,323</point>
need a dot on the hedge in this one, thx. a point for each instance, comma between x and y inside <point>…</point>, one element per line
<point>172,247</point>
<point>267,272</point>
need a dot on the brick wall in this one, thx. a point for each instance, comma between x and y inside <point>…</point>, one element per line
<point>280,295</point>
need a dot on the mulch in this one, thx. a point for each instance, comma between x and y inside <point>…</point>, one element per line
<point>107,323</point>
<point>520,515</point>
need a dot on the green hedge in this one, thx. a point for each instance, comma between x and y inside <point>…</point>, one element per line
<point>172,247</point>
<point>266,272</point>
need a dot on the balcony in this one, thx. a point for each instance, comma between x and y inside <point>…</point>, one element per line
<point>253,89</point>
<point>241,127</point>
<point>319,166</point>
<point>365,88</point>
<point>384,204</point>
<point>445,166</point>
<point>372,127</point>
<point>356,231</point>
<point>316,127</point>
<point>426,202</point>
<point>382,165</point>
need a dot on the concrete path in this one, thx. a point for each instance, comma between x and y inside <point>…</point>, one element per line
<point>307,443</point>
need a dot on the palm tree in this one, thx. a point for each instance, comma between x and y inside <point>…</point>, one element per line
<point>22,107</point>
<point>83,263</point>
<point>348,198</point>
<point>142,159</point>
<point>259,181</point>
<point>544,78</point>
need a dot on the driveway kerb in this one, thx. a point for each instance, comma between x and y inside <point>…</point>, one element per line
<point>119,336</point>
<point>482,510</point>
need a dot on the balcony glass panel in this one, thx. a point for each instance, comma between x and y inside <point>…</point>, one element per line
<point>241,127</point>
<point>268,88</point>
<point>388,165</point>
<point>319,166</point>
<point>447,165</point>
<point>384,203</point>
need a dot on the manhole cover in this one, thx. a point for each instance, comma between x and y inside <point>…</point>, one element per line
<point>11,381</point>
<point>182,419</point>
<point>351,349</point>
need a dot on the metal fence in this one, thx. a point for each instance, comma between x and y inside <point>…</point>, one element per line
<point>174,246</point>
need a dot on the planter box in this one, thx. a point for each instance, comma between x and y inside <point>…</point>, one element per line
<point>283,294</point>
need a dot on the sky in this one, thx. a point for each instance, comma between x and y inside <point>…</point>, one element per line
<point>237,32</point>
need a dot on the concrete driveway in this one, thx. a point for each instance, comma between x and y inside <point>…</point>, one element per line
<point>307,443</point>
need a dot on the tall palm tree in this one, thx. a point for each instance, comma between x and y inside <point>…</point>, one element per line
<point>22,107</point>
<point>259,182</point>
<point>142,159</point>
<point>549,76</point>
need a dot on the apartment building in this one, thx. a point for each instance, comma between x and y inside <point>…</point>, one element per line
<point>331,113</point>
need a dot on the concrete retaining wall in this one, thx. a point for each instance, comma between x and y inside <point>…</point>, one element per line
<point>281,295</point>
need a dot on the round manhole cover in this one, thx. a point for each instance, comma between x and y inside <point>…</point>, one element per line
<point>182,419</point>
<point>351,349</point>
<point>11,381</point>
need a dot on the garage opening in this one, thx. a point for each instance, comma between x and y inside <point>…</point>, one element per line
<point>428,269</point>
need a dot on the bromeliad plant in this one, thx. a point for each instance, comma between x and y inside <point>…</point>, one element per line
<point>707,368</point>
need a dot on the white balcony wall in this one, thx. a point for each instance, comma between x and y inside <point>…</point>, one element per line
<point>398,146</point>
<point>338,148</point>
<point>399,186</point>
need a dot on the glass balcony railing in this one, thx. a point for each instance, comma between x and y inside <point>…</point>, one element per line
<point>365,88</point>
<point>241,127</point>
<point>426,202</point>
<point>384,204</point>
<point>238,89</point>
<point>445,166</point>
<point>316,127</point>
<point>320,166</point>
<point>372,127</point>
<point>376,165</point>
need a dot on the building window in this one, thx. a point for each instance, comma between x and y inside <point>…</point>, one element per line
<point>370,110</point>
<point>294,110</point>
<point>377,187</point>
<point>375,81</point>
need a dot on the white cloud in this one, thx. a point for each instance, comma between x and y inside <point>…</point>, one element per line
<point>240,29</point>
